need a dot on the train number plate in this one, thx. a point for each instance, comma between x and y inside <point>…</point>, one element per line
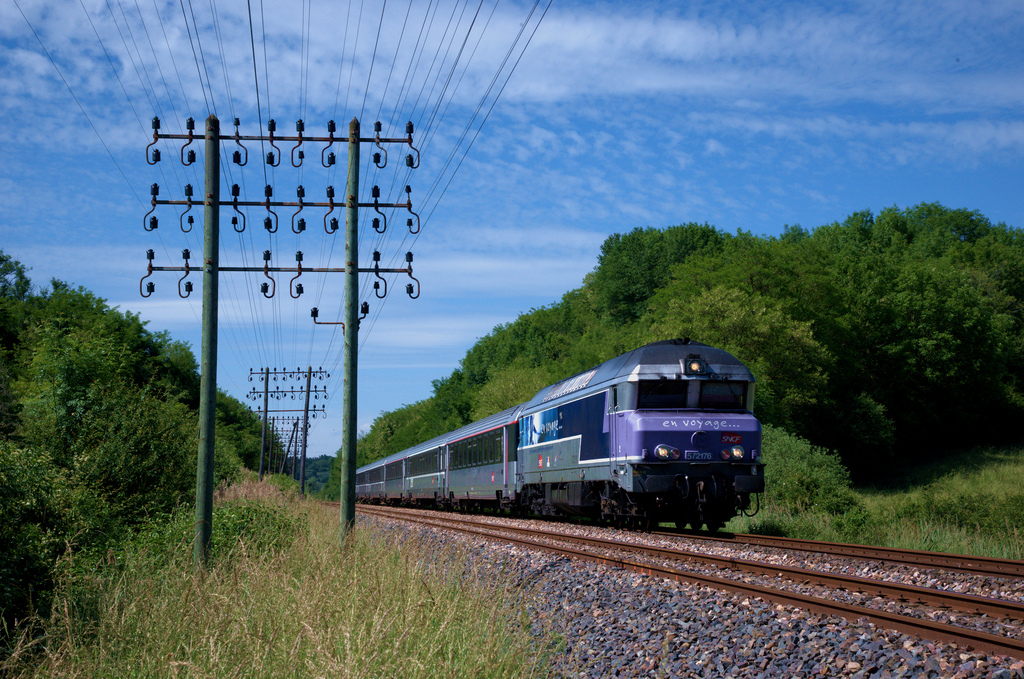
<point>698,455</point>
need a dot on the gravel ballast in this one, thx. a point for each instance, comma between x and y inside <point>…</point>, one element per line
<point>615,623</point>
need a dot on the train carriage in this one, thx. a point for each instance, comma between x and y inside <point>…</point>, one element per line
<point>370,483</point>
<point>481,470</point>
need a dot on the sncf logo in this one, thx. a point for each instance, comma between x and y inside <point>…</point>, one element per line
<point>732,438</point>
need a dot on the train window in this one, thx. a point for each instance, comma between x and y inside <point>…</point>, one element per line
<point>662,394</point>
<point>723,395</point>
<point>420,464</point>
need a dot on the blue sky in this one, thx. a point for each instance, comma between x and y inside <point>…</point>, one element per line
<point>614,115</point>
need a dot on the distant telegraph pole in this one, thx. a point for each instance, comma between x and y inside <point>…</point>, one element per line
<point>278,393</point>
<point>211,270</point>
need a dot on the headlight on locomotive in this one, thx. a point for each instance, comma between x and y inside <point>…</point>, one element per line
<point>663,452</point>
<point>734,453</point>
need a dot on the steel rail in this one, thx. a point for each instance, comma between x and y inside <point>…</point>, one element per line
<point>913,594</point>
<point>929,629</point>
<point>981,565</point>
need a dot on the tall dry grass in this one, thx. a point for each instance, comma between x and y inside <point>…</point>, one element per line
<point>378,607</point>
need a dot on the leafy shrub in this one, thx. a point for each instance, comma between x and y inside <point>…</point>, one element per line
<point>802,477</point>
<point>854,524</point>
<point>28,540</point>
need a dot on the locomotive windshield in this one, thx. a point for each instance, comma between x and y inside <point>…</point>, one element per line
<point>662,394</point>
<point>723,395</point>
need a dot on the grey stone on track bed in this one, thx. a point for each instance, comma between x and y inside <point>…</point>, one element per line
<point>616,623</point>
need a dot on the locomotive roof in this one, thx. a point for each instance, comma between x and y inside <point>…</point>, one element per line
<point>651,361</point>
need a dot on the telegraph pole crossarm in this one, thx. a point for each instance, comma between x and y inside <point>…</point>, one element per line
<point>150,269</point>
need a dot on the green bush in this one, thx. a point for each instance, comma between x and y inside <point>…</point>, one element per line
<point>29,540</point>
<point>802,477</point>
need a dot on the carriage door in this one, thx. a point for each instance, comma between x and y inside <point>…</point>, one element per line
<point>443,452</point>
<point>611,419</point>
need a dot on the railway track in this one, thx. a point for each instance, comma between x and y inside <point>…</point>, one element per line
<point>962,563</point>
<point>760,580</point>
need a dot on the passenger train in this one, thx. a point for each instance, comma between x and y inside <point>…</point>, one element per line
<point>663,433</point>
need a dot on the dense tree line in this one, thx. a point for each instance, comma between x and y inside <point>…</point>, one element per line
<point>901,331</point>
<point>98,432</point>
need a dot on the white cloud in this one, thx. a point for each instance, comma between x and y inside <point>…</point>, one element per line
<point>715,147</point>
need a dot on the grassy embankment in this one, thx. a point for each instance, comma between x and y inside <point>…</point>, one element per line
<point>966,502</point>
<point>281,600</point>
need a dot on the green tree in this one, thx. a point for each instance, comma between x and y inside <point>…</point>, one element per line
<point>789,364</point>
<point>126,446</point>
<point>14,281</point>
<point>633,266</point>
<point>240,429</point>
<point>509,386</point>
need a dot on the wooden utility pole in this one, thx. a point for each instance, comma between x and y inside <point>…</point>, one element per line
<point>208,374</point>
<point>351,351</point>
